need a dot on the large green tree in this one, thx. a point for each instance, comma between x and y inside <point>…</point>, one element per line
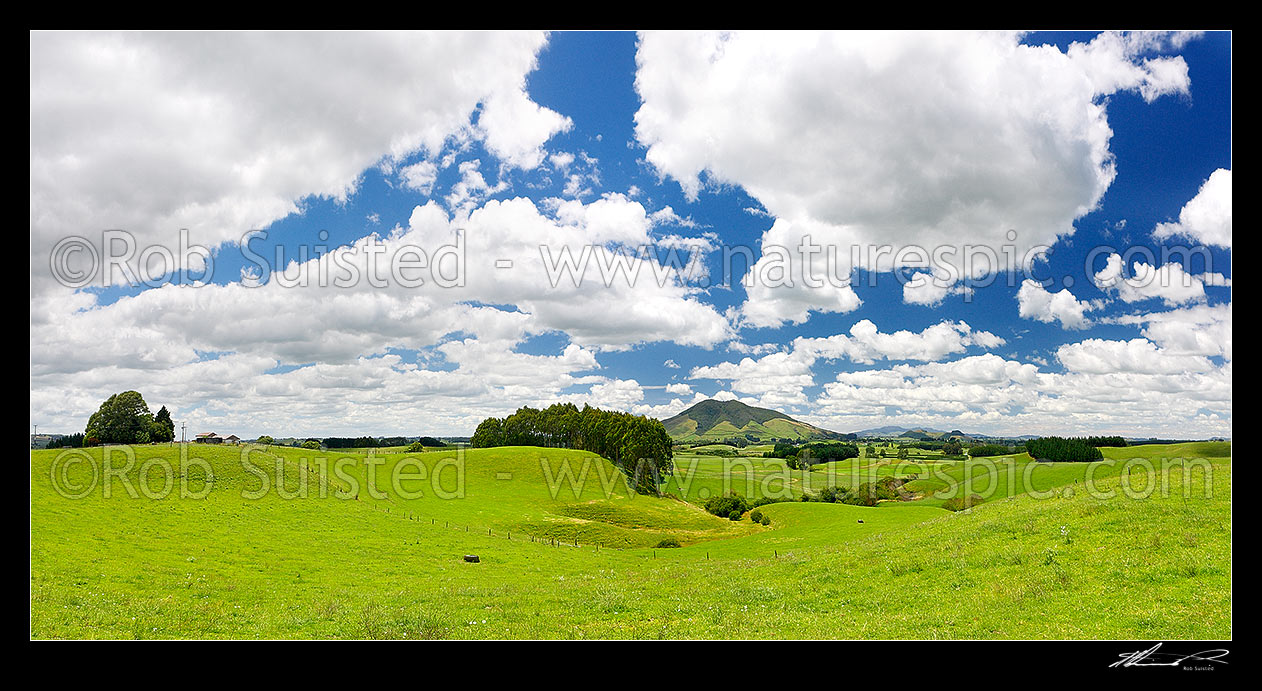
<point>123,418</point>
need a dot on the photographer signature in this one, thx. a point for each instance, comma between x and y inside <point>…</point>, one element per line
<point>1152,658</point>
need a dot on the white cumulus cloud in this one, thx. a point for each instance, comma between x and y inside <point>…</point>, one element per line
<point>1170,282</point>
<point>1207,217</point>
<point>891,139</point>
<point>223,133</point>
<point>1036,302</point>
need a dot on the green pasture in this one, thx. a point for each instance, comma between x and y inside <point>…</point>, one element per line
<point>371,545</point>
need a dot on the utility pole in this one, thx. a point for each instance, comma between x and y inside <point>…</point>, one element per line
<point>183,433</point>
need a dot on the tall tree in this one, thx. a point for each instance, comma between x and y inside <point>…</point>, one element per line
<point>163,425</point>
<point>123,418</point>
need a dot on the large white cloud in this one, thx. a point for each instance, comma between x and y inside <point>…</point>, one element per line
<point>866,344</point>
<point>892,139</point>
<point>1168,282</point>
<point>930,288</point>
<point>1195,330</point>
<point>989,394</point>
<point>1036,302</point>
<point>1139,355</point>
<point>1207,217</point>
<point>465,333</point>
<point>779,379</point>
<point>222,133</point>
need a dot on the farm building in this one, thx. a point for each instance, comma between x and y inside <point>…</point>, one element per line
<point>212,438</point>
<point>208,438</point>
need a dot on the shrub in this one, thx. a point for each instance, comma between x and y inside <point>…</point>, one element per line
<point>727,504</point>
<point>734,516</point>
<point>961,503</point>
<point>863,495</point>
<point>887,487</point>
<point>755,516</point>
<point>766,520</point>
<point>667,543</point>
<point>416,447</point>
<point>311,444</point>
<point>832,495</point>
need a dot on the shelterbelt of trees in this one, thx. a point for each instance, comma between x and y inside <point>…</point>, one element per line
<point>813,453</point>
<point>1079,449</point>
<point>376,442</point>
<point>1083,449</point>
<point>638,445</point>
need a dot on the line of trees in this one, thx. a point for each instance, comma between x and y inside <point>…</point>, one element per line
<point>351,443</point>
<point>375,442</point>
<point>1073,449</point>
<point>637,445</point>
<point>1107,441</point>
<point>812,453</point>
<point>70,441</point>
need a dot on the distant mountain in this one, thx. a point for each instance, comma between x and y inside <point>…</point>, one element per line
<point>931,434</point>
<point>925,433</point>
<point>717,420</point>
<point>886,431</point>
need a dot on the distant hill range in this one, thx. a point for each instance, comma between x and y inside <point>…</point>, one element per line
<point>931,434</point>
<point>922,433</point>
<point>716,421</point>
<point>713,420</point>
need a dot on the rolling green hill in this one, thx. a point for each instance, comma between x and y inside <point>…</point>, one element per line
<point>246,546</point>
<point>713,420</point>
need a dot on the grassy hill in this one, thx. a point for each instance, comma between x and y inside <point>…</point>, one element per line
<point>321,557</point>
<point>713,420</point>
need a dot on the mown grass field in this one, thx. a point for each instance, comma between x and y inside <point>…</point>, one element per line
<point>240,562</point>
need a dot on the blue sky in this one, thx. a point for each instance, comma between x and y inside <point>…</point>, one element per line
<point>1086,145</point>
